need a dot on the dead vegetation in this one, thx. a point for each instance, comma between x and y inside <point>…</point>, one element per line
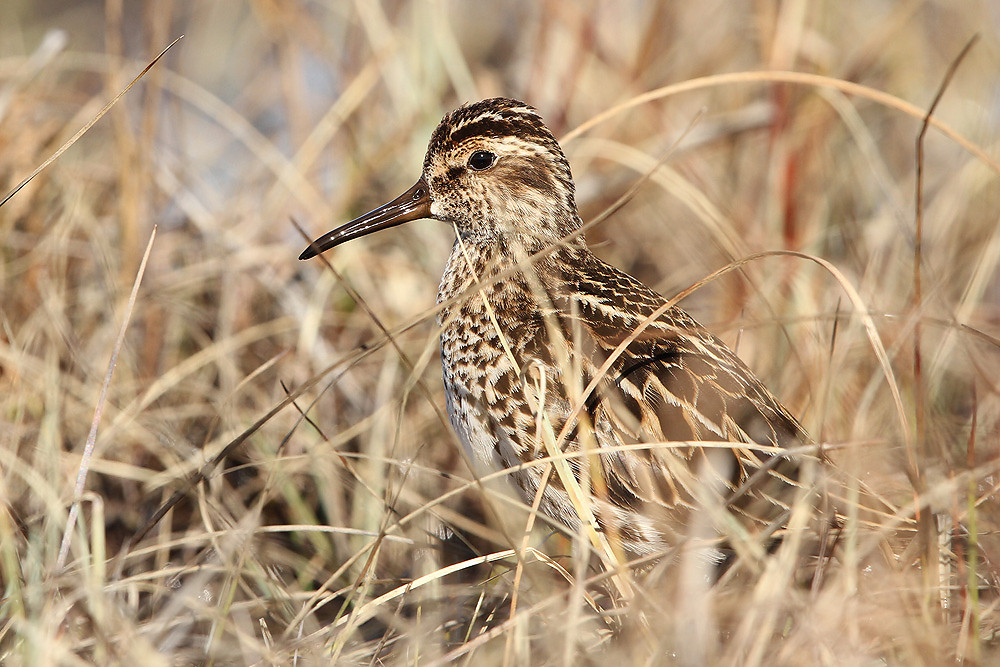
<point>357,533</point>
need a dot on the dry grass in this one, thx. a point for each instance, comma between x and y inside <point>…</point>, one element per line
<point>338,536</point>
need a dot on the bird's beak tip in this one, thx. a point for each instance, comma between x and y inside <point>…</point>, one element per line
<point>411,205</point>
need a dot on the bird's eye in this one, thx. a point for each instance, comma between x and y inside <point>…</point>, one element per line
<point>481,160</point>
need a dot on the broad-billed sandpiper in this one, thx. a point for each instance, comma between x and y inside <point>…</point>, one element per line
<point>550,352</point>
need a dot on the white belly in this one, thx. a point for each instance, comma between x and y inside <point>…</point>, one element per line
<point>479,443</point>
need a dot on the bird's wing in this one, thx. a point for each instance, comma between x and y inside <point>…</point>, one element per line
<point>676,382</point>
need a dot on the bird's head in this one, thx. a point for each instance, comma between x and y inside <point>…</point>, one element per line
<point>494,170</point>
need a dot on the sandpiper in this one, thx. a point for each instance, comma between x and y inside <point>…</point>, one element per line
<point>550,353</point>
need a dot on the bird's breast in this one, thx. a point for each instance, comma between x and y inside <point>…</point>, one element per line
<point>483,330</point>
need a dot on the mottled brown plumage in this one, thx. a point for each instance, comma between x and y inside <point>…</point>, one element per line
<point>558,351</point>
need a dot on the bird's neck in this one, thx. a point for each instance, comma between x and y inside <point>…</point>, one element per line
<point>503,275</point>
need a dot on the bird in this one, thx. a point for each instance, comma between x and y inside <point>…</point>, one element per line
<point>551,355</point>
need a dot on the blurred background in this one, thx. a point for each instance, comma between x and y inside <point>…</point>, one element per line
<point>269,114</point>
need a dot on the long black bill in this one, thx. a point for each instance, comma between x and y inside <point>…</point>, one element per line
<point>413,204</point>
